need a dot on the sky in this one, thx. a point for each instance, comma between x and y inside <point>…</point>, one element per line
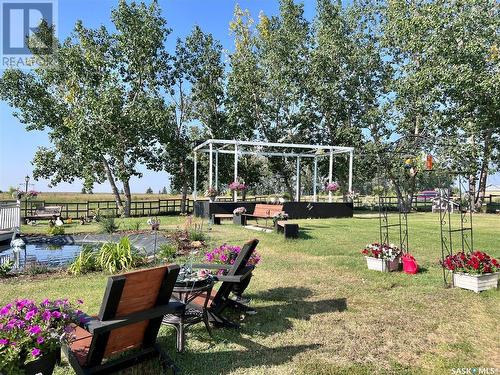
<point>17,146</point>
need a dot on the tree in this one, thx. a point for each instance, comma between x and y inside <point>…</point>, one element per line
<point>149,190</point>
<point>446,81</point>
<point>95,99</point>
<point>164,190</point>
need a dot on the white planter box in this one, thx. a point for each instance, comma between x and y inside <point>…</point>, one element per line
<point>382,265</point>
<point>476,283</point>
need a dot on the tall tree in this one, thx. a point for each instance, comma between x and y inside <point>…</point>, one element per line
<point>94,99</point>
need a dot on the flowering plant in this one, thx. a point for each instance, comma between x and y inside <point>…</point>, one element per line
<point>279,216</point>
<point>239,211</point>
<point>382,251</point>
<point>211,192</point>
<point>29,330</point>
<point>238,186</point>
<point>332,186</point>
<point>476,262</point>
<point>227,254</point>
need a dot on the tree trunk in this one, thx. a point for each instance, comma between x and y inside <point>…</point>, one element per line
<point>484,170</point>
<point>114,189</point>
<point>184,192</point>
<point>128,197</point>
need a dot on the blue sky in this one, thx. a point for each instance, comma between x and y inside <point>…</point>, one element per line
<point>17,146</point>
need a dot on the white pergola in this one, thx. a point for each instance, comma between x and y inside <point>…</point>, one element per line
<point>237,148</point>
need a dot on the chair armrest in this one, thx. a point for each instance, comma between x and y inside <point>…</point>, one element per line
<point>236,278</point>
<point>213,266</point>
<point>96,326</point>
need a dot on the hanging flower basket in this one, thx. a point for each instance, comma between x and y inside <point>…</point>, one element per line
<point>382,257</point>
<point>476,271</point>
<point>332,187</point>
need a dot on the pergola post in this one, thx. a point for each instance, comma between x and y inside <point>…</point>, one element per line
<point>315,180</point>
<point>351,154</point>
<point>217,170</point>
<point>297,183</point>
<point>330,175</point>
<point>195,175</point>
<point>210,166</point>
<point>235,192</point>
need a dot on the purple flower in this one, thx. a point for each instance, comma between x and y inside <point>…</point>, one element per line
<point>35,330</point>
<point>5,310</point>
<point>4,342</point>
<point>45,302</point>
<point>46,315</point>
<point>35,352</point>
<point>79,301</point>
<point>56,314</point>
<point>40,340</point>
<point>30,314</point>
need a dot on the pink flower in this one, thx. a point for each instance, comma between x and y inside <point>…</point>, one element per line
<point>56,314</point>
<point>4,342</point>
<point>46,315</point>
<point>35,352</point>
<point>30,314</point>
<point>40,340</point>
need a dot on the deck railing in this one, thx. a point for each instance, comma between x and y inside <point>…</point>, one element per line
<point>10,216</point>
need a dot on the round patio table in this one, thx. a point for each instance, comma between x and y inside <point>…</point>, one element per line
<point>186,291</point>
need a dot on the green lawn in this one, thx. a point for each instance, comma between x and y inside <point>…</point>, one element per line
<point>320,311</point>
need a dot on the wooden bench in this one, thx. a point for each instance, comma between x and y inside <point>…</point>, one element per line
<point>216,218</point>
<point>290,230</point>
<point>265,211</point>
<point>45,213</point>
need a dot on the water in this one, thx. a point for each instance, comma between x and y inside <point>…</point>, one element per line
<point>42,253</point>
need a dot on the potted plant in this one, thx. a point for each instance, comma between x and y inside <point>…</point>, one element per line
<point>382,257</point>
<point>238,216</point>
<point>227,254</point>
<point>31,334</point>
<point>280,216</point>
<point>332,187</point>
<point>476,271</point>
<point>236,186</point>
<point>212,194</point>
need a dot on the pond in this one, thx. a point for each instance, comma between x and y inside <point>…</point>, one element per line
<point>47,254</point>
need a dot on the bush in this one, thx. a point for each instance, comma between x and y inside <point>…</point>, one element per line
<point>167,251</point>
<point>115,257</point>
<point>36,268</point>
<point>55,230</point>
<point>85,262</point>
<point>107,224</point>
<point>6,268</point>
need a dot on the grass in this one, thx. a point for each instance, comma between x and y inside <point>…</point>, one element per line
<point>320,311</point>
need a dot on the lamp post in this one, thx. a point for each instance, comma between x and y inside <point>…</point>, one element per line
<point>27,180</point>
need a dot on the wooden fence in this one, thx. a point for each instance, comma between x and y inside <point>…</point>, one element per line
<point>9,216</point>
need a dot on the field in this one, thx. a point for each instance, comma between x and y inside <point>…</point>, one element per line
<point>320,311</point>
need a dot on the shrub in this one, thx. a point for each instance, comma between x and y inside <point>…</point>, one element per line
<point>5,268</point>
<point>115,257</point>
<point>107,224</point>
<point>36,268</point>
<point>85,262</point>
<point>55,230</point>
<point>167,251</point>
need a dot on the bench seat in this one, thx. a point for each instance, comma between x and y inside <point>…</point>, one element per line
<point>290,230</point>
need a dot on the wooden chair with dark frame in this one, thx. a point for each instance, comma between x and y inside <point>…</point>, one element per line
<point>237,277</point>
<point>125,330</point>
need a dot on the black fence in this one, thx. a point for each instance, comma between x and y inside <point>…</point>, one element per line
<point>172,206</point>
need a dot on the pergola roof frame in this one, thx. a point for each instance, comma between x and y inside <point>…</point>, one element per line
<point>219,146</point>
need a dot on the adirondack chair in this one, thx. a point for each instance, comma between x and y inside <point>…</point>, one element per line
<point>127,324</point>
<point>238,274</point>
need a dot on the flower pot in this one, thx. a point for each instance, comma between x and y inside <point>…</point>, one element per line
<point>476,283</point>
<point>239,220</point>
<point>382,265</point>
<point>43,365</point>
